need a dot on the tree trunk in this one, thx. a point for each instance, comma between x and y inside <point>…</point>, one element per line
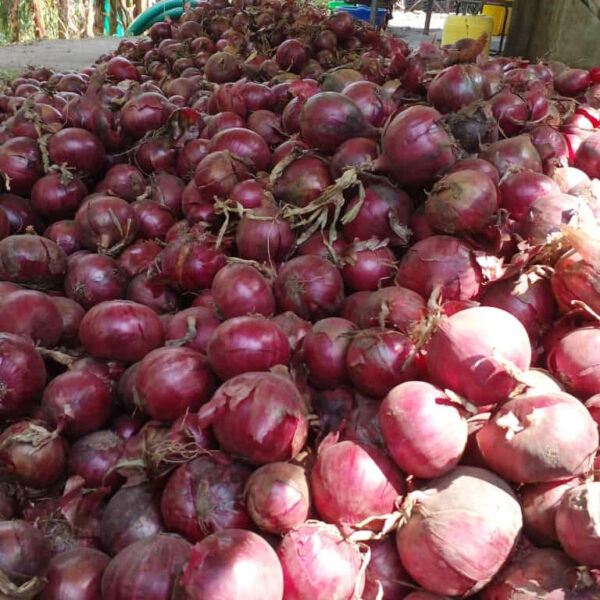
<point>38,18</point>
<point>88,11</point>
<point>14,21</point>
<point>63,19</point>
<point>112,20</point>
<point>99,19</point>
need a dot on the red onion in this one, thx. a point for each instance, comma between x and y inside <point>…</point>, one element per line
<point>518,191</point>
<point>513,154</point>
<point>423,430</point>
<point>132,514</point>
<point>120,330</point>
<point>32,315</point>
<point>444,262</point>
<point>192,328</point>
<point>189,156</point>
<point>371,101</point>
<point>305,575</point>
<point>94,278</point>
<point>106,223</point>
<point>137,258</point>
<point>206,495</point>
<point>260,417</point>
<point>21,163</point>
<point>543,572</point>
<point>324,352</point>
<point>377,361</point>
<point>24,557</point>
<point>479,519</point>
<point>232,564</point>
<point>143,113</point>
<point>75,573</point>
<point>249,193</point>
<point>222,67</point>
<point>56,196</point>
<point>540,502</point>
<point>524,457</point>
<point>77,148</point>
<point>572,82</point>
<point>268,125</point>
<point>393,307</point>
<point>245,145</point>
<point>93,457</point>
<point>293,326</point>
<point>32,260</point>
<point>156,154</point>
<point>77,402</point>
<point>277,497</point>
<point>20,213</point>
<point>588,154</point>
<point>367,265</point>
<point>302,181</point>
<point>329,118</point>
<point>148,568</point>
<point>310,286</point>
<point>22,375</point>
<point>152,292</point>
<point>416,148</point>
<point>385,572</point>
<point>171,381</point>
<point>511,112</point>
<point>291,55</point>
<point>352,483</point>
<point>457,86</point>
<point>462,202</point>
<point>354,152</point>
<point>240,289</point>
<point>153,219</point>
<point>71,314</point>
<point>576,523</point>
<point>476,164</point>
<point>63,234</point>
<point>383,214</point>
<point>475,353</point>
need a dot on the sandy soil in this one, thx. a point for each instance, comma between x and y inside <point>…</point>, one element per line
<point>62,55</point>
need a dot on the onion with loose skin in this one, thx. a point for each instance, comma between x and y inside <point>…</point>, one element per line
<point>476,352</point>
<point>147,569</point>
<point>206,495</point>
<point>355,486</point>
<point>192,328</point>
<point>318,563</point>
<point>230,565</point>
<point>424,431</point>
<point>261,417</point>
<point>377,360</point>
<point>460,530</point>
<point>277,497</point>
<point>526,441</point>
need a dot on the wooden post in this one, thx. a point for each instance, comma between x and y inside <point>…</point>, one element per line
<point>88,11</point>
<point>38,18</point>
<point>63,19</point>
<point>14,21</point>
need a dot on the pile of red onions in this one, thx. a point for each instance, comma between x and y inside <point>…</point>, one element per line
<point>290,310</point>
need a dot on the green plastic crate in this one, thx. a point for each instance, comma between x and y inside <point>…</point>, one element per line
<point>336,5</point>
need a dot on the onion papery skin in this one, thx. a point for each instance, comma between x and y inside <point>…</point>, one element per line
<point>481,515</point>
<point>146,569</point>
<point>253,402</point>
<point>309,286</point>
<point>302,553</point>
<point>424,431</point>
<point>171,381</point>
<point>474,351</point>
<point>377,361</point>
<point>74,574</point>
<point>206,495</point>
<point>515,445</point>
<point>245,344</point>
<point>120,330</point>
<point>351,482</point>
<point>213,570</point>
<point>277,497</point>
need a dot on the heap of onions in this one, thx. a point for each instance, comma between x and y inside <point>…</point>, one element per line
<point>290,310</point>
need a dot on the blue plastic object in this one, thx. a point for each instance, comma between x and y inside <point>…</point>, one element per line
<point>363,13</point>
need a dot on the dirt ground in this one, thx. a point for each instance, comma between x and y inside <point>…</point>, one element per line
<point>64,55</point>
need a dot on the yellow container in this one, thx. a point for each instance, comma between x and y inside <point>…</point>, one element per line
<point>457,27</point>
<point>497,13</point>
